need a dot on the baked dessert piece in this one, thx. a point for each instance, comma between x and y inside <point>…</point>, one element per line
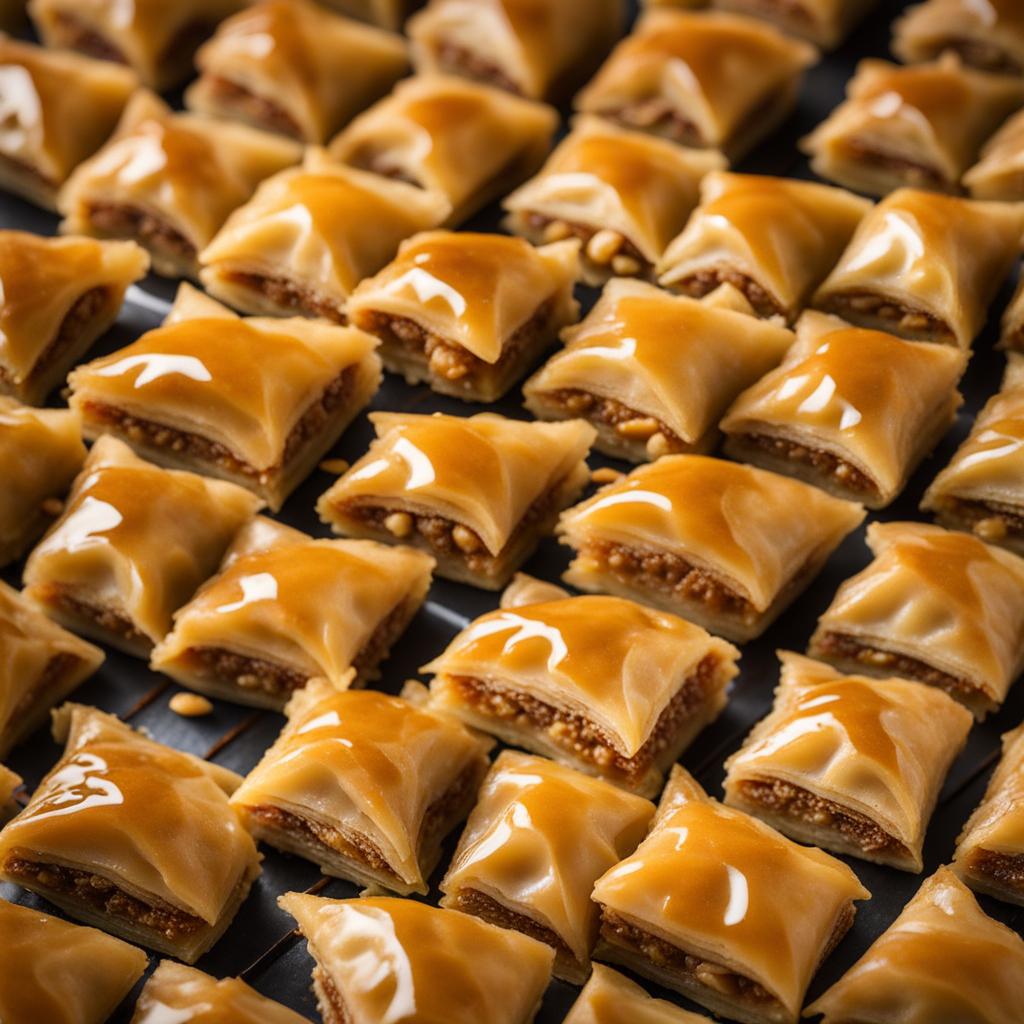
<point>722,908</point>
<point>477,493</point>
<point>654,372</point>
<point>920,126</point>
<point>611,998</point>
<point>730,562</point>
<point>286,607</point>
<point>155,38</point>
<point>41,451</point>
<point>999,172</point>
<point>191,395</point>
<point>467,313</point>
<point>59,108</point>
<point>925,266</point>
<point>42,664</point>
<point>828,417</point>
<point>61,973</point>
<point>605,685</point>
<point>427,963</point>
<point>275,66</point>
<point>826,23</point>
<point>465,142</point>
<point>939,607</point>
<point>168,181</point>
<point>775,239</point>
<point>526,589</point>
<point>9,783</point>
<point>385,13</point>
<point>365,785</point>
<point>624,194</point>
<point>704,80</point>
<point>1011,330</point>
<point>131,546</point>
<point>537,840</point>
<point>943,958</point>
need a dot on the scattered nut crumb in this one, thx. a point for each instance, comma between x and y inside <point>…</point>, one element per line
<point>641,428</point>
<point>993,528</point>
<point>556,231</point>
<point>606,475</point>
<point>190,705</point>
<point>336,466</point>
<point>399,524</point>
<point>603,246</point>
<point>626,266</point>
<point>465,539</point>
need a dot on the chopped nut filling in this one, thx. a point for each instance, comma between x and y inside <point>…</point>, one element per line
<point>329,1002</point>
<point>235,99</point>
<point>555,229</point>
<point>75,34</point>
<point>629,423</point>
<point>871,308</point>
<point>472,901</point>
<point>912,172</point>
<point>991,520</point>
<point>150,230</point>
<point>979,53</point>
<point>454,59</point>
<point>791,11</point>
<point>291,295</point>
<point>828,464</point>
<point>20,169</point>
<point>1004,869</point>
<point>704,282</point>
<point>660,117</point>
<point>108,619</point>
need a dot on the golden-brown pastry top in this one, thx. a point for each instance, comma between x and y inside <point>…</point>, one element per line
<point>9,783</point>
<point>987,33</point>
<point>997,174</point>
<point>611,998</point>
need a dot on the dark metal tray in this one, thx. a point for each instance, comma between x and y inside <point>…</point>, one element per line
<point>260,945</point>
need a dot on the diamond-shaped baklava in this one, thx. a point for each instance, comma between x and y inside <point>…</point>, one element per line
<point>611,998</point>
<point>9,784</point>
<point>999,172</point>
<point>826,23</point>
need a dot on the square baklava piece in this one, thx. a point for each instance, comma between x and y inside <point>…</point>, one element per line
<point>477,493</point>
<point>828,417</point>
<point>467,313</point>
<point>286,607</point>
<point>57,296</point>
<point>382,958</point>
<point>132,545</point>
<point>999,172</point>
<point>9,785</point>
<point>168,181</point>
<point>775,239</point>
<point>848,763</point>
<point>943,608</point>
<point>607,686</point>
<point>704,80</point>
<point>464,142</point>
<point>730,562</point>
<point>624,194</point>
<point>538,839</point>
<point>365,785</point>
<point>722,908</point>
<point>611,998</point>
<point>826,23</point>
<point>654,372</point>
<point>925,266</point>
<point>133,837</point>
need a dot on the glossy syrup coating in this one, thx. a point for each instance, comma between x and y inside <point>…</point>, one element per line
<point>997,174</point>
<point>611,998</point>
<point>987,33</point>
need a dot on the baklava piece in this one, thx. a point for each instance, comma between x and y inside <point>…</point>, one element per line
<point>168,181</point>
<point>826,23</point>
<point>828,417</point>
<point>942,959</point>
<point>775,239</point>
<point>731,562</point>
<point>925,266</point>
<point>463,142</point>
<point>538,839</point>
<point>383,958</point>
<point>607,686</point>
<point>654,372</point>
<point>309,235</point>
<point>942,608</point>
<point>920,126</point>
<point>132,545</point>
<point>624,194</point>
<point>256,401</point>
<point>389,14</point>
<point>365,785</point>
<point>276,66</point>
<point>703,80</point>
<point>999,172</point>
<point>1011,334</point>
<point>41,665</point>
<point>286,607</point>
<point>611,998</point>
<point>477,493</point>
<point>9,784</point>
<point>58,109</point>
<point>723,909</point>
<point>61,973</point>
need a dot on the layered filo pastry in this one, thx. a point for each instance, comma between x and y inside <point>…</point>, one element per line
<point>9,784</point>
<point>133,837</point>
<point>826,23</point>
<point>654,372</point>
<point>611,998</point>
<point>623,193</point>
<point>849,763</point>
<point>467,313</point>
<point>58,109</point>
<point>828,417</point>
<point>942,959</point>
<point>606,686</point>
<point>730,562</point>
<point>477,493</point>
<point>365,785</point>
<point>925,266</point>
<point>704,80</point>
<point>132,545</point>
<point>943,608</point>
<point>169,180</point>
<point>286,607</point>
<point>775,239</point>
<point>459,140</point>
<point>538,839</point>
<point>999,172</point>
<point>57,296</point>
<point>722,908</point>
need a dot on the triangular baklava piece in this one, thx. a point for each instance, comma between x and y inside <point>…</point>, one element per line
<point>611,998</point>
<point>999,172</point>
